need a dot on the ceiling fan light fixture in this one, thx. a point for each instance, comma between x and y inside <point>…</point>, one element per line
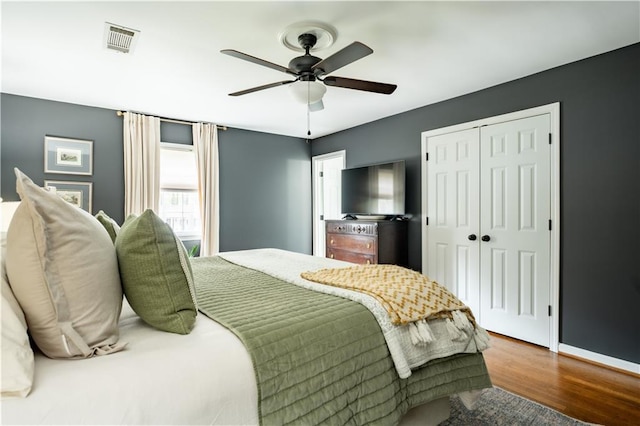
<point>307,92</point>
<point>316,106</point>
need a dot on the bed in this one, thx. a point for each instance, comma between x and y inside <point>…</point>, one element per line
<point>266,347</point>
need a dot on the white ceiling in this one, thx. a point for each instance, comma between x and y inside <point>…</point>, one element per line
<point>432,50</point>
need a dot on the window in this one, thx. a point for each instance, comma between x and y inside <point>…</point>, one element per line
<point>179,206</point>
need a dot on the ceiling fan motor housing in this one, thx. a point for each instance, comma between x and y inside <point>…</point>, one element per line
<point>302,64</point>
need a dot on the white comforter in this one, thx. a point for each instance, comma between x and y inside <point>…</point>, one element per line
<point>205,377</point>
<point>288,266</point>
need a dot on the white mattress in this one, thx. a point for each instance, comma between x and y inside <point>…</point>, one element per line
<point>153,381</point>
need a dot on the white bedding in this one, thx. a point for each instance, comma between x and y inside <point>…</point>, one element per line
<point>288,266</point>
<point>138,385</point>
<point>205,377</point>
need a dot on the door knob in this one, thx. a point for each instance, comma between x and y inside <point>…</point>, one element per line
<point>486,238</point>
<point>472,237</point>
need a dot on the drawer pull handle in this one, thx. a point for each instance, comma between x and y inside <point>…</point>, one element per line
<point>332,242</point>
<point>331,255</point>
<point>368,261</point>
<point>368,245</point>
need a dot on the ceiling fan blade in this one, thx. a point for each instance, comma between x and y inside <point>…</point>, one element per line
<point>258,61</point>
<point>266,86</point>
<point>367,86</point>
<point>316,106</point>
<point>351,53</point>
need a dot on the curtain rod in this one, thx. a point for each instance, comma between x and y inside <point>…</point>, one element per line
<point>172,120</point>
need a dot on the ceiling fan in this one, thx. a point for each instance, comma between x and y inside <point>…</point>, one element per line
<point>312,69</point>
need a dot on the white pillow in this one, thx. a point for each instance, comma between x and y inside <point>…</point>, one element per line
<point>17,355</point>
<point>63,270</point>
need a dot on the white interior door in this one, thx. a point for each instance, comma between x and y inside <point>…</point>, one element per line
<point>327,196</point>
<point>515,241</point>
<point>453,212</point>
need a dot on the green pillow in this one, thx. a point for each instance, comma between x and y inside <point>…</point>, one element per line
<point>156,273</point>
<point>109,224</point>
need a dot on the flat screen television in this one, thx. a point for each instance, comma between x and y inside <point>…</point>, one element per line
<point>376,190</point>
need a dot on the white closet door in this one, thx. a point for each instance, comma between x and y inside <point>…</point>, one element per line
<point>515,212</point>
<point>453,211</point>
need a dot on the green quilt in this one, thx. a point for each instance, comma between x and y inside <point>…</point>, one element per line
<point>318,358</point>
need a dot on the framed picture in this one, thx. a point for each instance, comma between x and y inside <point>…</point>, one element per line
<point>68,156</point>
<point>76,193</point>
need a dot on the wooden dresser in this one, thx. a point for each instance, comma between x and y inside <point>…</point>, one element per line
<point>367,241</point>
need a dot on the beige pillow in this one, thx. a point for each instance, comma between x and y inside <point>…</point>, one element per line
<point>17,355</point>
<point>156,273</point>
<point>63,270</point>
<point>109,224</point>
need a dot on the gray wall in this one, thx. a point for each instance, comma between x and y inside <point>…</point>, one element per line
<point>600,184</point>
<point>265,180</point>
<point>267,191</point>
<point>25,122</point>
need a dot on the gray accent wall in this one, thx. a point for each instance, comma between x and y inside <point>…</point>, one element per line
<point>265,183</point>
<point>265,179</point>
<point>600,184</point>
<point>26,121</point>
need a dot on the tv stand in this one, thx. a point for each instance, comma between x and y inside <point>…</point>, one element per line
<point>367,241</point>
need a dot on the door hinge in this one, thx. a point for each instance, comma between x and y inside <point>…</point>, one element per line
<point>549,138</point>
<point>321,217</point>
<point>549,310</point>
<point>426,155</point>
<point>426,220</point>
<point>321,174</point>
<point>549,224</point>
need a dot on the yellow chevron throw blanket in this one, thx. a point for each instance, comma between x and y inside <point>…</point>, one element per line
<point>407,295</point>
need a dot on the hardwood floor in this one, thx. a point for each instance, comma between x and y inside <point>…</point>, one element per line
<point>579,389</point>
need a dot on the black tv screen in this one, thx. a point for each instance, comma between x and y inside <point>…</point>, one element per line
<point>374,190</point>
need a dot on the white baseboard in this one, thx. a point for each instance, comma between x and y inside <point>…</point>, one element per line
<point>599,358</point>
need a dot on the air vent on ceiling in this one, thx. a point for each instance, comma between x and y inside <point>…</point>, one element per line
<point>119,38</point>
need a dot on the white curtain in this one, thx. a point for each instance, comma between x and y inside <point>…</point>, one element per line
<point>205,144</point>
<point>141,163</point>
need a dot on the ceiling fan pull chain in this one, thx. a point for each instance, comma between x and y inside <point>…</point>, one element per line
<point>308,109</point>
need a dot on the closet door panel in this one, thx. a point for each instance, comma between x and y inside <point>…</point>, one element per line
<point>452,207</point>
<point>514,212</point>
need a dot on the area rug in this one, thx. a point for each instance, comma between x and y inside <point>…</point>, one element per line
<point>499,407</point>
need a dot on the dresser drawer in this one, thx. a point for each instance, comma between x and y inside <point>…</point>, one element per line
<point>353,227</point>
<point>354,243</point>
<point>350,256</point>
